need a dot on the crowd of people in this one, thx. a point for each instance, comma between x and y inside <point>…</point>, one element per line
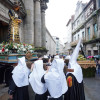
<point>50,78</point>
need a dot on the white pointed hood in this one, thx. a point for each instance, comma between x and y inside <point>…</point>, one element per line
<point>20,73</point>
<point>74,65</point>
<point>35,78</point>
<point>55,79</point>
<point>56,57</point>
<point>45,56</point>
<point>68,57</point>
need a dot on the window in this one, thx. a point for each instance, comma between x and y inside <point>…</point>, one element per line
<point>72,26</point>
<point>95,52</point>
<point>81,17</point>
<point>74,38</point>
<point>83,35</point>
<point>99,3</point>
<point>89,52</point>
<point>78,36</point>
<point>88,33</point>
<point>78,22</point>
<point>95,29</point>
<point>57,48</point>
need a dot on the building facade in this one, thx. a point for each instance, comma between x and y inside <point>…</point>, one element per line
<point>50,44</point>
<point>32,30</point>
<point>67,48</point>
<point>86,25</point>
<point>61,49</point>
<point>59,46</point>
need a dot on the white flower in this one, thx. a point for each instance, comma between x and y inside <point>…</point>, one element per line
<point>6,45</point>
<point>0,51</point>
<point>31,51</point>
<point>29,47</point>
<point>15,47</point>
<point>22,46</point>
<point>18,45</point>
<point>18,51</point>
<point>6,50</point>
<point>24,49</point>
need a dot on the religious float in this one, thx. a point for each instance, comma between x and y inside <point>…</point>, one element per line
<point>12,49</point>
<point>10,52</point>
<point>88,66</point>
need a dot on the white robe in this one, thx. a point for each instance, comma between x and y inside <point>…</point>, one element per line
<point>35,78</point>
<point>55,79</point>
<point>74,65</point>
<point>20,73</point>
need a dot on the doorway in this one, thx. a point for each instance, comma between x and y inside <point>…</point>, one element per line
<point>3,31</point>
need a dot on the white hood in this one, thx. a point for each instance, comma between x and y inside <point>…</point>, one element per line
<point>35,78</point>
<point>68,57</point>
<point>20,73</point>
<point>74,65</point>
<point>56,57</point>
<point>55,79</point>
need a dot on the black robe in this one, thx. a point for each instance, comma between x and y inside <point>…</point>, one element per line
<point>19,93</point>
<point>41,97</point>
<point>75,89</point>
<point>48,94</point>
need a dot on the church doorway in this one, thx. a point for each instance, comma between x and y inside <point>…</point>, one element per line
<point>3,31</point>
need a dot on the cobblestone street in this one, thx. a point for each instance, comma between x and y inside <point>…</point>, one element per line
<point>91,86</point>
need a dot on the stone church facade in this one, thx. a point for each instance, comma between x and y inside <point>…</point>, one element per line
<point>32,30</point>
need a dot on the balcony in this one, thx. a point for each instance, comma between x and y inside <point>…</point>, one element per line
<point>74,43</point>
<point>94,39</point>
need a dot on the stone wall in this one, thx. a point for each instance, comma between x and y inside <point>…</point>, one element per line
<point>4,13</point>
<point>50,43</point>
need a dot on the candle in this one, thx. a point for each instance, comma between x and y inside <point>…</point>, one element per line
<point>13,33</point>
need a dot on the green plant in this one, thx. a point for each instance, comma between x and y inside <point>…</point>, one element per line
<point>40,49</point>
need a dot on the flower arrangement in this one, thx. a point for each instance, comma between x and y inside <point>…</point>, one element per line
<point>81,58</point>
<point>6,48</point>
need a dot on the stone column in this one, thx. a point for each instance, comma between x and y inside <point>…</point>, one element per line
<point>43,27</point>
<point>29,22</point>
<point>37,23</point>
